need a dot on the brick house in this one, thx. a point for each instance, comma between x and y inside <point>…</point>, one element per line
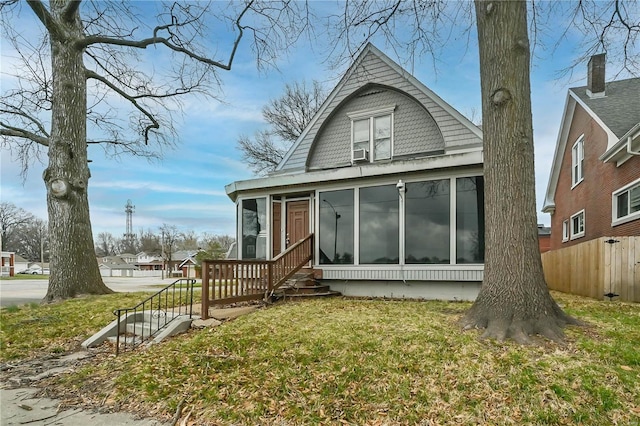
<point>594,186</point>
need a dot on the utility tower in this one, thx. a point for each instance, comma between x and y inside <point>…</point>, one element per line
<point>128,235</point>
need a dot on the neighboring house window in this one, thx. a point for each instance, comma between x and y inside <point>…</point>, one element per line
<point>336,227</point>
<point>577,161</point>
<point>577,225</point>
<point>372,134</point>
<point>565,230</point>
<point>626,203</point>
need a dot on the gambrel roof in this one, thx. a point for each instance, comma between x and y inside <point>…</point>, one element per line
<point>374,67</point>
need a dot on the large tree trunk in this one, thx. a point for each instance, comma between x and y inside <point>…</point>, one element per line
<point>74,267</point>
<point>514,301</point>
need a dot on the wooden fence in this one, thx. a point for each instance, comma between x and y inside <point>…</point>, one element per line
<point>595,268</point>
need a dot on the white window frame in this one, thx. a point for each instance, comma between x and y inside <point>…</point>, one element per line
<point>577,233</point>
<point>565,231</point>
<point>371,114</point>
<point>577,162</point>
<point>615,220</point>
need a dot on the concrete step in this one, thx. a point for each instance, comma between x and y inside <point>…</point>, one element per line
<point>133,325</point>
<point>329,293</point>
<point>143,328</point>
<point>307,288</point>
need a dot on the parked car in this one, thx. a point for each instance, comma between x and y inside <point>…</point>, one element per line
<point>32,271</point>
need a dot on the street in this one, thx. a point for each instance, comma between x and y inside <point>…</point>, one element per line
<point>20,292</point>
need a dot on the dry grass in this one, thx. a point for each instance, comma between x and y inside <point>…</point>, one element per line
<point>31,330</point>
<point>379,362</point>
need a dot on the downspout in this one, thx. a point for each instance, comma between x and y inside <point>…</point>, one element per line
<point>629,150</point>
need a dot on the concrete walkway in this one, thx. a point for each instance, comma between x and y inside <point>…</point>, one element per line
<point>19,407</point>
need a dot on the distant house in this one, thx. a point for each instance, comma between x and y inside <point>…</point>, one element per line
<point>115,266</point>
<point>129,257</point>
<point>593,193</point>
<point>182,263</point>
<point>388,178</point>
<point>7,264</point>
<point>544,238</point>
<point>149,261</point>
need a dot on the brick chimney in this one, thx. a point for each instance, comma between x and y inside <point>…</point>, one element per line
<point>595,76</point>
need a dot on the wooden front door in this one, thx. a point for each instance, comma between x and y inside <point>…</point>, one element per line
<point>297,221</point>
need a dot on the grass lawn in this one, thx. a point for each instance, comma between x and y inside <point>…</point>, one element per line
<point>374,362</point>
<point>26,277</point>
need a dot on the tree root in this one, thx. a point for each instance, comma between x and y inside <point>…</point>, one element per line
<point>520,330</point>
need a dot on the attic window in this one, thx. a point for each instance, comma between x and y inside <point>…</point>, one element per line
<point>372,134</point>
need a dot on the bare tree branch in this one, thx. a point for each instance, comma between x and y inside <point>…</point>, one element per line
<point>46,18</point>
<point>71,10</point>
<point>8,130</point>
<point>143,44</point>
<point>154,123</point>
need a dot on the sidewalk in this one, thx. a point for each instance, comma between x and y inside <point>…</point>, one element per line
<point>19,407</point>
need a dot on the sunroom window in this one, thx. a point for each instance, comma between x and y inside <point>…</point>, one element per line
<point>429,222</point>
<point>254,231</point>
<point>336,227</point>
<point>379,224</point>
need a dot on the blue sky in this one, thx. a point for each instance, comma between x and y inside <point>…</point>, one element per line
<point>186,188</point>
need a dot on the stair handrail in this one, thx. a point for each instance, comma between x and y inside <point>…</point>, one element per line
<point>266,275</point>
<point>149,301</point>
<point>276,282</point>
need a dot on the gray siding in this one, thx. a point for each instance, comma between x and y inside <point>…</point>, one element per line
<point>415,131</point>
<point>373,69</point>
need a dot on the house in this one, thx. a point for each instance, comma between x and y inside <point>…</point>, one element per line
<point>115,266</point>
<point>544,238</point>
<point>388,178</point>
<point>149,261</point>
<point>593,193</point>
<point>182,264</point>
<point>7,264</point>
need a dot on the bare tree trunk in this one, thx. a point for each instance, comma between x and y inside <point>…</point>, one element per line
<point>514,301</point>
<point>74,267</point>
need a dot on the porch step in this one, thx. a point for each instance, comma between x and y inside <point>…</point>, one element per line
<point>303,284</point>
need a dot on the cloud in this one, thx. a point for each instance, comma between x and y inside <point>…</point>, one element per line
<point>156,187</point>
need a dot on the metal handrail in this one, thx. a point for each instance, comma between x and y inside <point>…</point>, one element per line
<point>155,301</point>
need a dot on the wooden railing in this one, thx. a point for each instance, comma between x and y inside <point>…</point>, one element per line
<point>230,281</point>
